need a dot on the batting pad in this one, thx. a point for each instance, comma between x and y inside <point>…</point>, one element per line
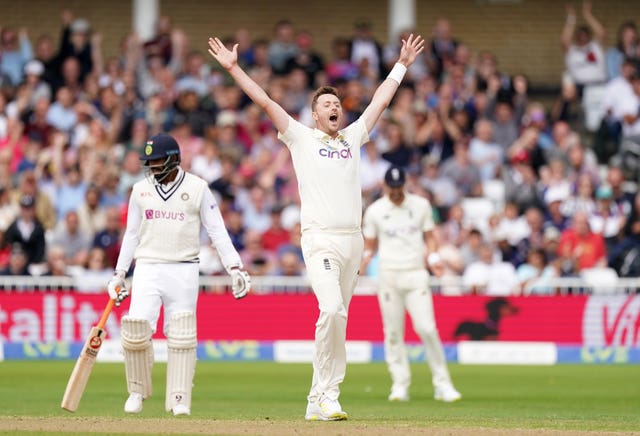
<point>181,359</point>
<point>138,354</point>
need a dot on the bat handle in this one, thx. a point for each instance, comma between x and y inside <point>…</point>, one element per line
<point>105,314</point>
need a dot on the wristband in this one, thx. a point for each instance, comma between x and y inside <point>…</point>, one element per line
<point>571,19</point>
<point>433,259</point>
<point>397,72</point>
<point>367,253</point>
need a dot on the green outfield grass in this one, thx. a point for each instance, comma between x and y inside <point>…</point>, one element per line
<point>564,397</point>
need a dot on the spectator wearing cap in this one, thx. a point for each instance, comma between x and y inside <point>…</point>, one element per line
<point>606,219</point>
<point>18,262</point>
<point>28,184</point>
<point>16,52</point>
<point>35,87</point>
<point>27,231</point>
<point>76,42</point>
<point>553,217</point>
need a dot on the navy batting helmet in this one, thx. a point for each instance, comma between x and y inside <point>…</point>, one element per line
<point>161,146</point>
<point>395,177</point>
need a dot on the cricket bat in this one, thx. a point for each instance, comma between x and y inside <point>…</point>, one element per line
<point>81,372</point>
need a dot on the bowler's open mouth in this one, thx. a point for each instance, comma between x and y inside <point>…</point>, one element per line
<point>333,117</point>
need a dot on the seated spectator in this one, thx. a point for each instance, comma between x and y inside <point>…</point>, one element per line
<point>445,192</point>
<point>56,262</point>
<point>454,230</point>
<point>470,248</point>
<point>520,182</point>
<point>235,227</point>
<point>294,244</point>
<point>8,209</point>
<point>27,231</point>
<point>95,274</point>
<point>109,238</point>
<point>255,259</point>
<point>580,248</point>
<point>535,274</point>
<point>626,47</point>
<point>488,276</point>
<point>276,235</point>
<point>18,262</point>
<point>607,220</point>
<point>582,200</point>
<point>74,242</point>
<point>289,265</point>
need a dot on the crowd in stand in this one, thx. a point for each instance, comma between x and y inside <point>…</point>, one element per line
<point>72,124</point>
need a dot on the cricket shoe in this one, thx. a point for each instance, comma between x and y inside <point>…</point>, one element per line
<point>181,409</point>
<point>399,394</point>
<point>133,403</point>
<point>447,393</point>
<point>325,410</point>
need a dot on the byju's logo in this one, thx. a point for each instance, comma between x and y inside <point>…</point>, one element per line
<point>151,214</point>
<point>344,153</point>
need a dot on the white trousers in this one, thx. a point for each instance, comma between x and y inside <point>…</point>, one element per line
<point>409,290</point>
<point>174,286</point>
<point>332,262</point>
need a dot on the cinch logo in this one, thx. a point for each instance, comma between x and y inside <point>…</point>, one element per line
<point>345,153</point>
<point>151,214</point>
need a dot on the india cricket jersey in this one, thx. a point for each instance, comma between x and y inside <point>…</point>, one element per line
<point>328,173</point>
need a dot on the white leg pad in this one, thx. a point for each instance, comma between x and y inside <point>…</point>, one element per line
<point>138,355</point>
<point>181,359</point>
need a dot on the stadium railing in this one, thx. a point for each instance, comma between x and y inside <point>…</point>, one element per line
<point>366,285</point>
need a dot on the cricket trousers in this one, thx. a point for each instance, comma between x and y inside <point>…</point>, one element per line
<point>408,290</point>
<point>332,261</point>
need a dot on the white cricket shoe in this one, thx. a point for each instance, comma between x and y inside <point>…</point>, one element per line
<point>325,409</point>
<point>447,393</point>
<point>181,409</point>
<point>399,394</point>
<point>133,403</point>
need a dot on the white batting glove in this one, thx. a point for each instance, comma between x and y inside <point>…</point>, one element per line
<point>240,283</point>
<point>116,287</point>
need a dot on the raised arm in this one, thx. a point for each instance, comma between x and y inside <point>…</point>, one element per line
<point>592,21</point>
<point>567,30</point>
<point>411,48</point>
<point>228,59</point>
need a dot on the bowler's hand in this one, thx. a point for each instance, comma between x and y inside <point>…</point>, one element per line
<point>240,283</point>
<point>117,289</point>
<point>411,48</point>
<point>226,58</point>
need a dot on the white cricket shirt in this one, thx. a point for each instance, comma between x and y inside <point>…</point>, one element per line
<point>400,231</point>
<point>164,221</point>
<point>328,175</point>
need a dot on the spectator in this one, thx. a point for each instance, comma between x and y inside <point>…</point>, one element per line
<point>461,170</point>
<point>109,238</point>
<point>607,220</point>
<point>442,48</point>
<point>626,48</point>
<point>399,152</point>
<point>74,242</point>
<point>235,227</point>
<point>27,231</point>
<point>583,49</point>
<point>470,247</point>
<point>282,46</point>
<point>256,260</point>
<point>372,169</point>
<point>307,58</point>
<point>580,248</point>
<point>18,262</point>
<point>582,200</point>
<point>418,70</point>
<point>161,44</point>
<point>61,114</point>
<point>91,214</point>
<point>520,182</point>
<point>131,172</point>
<point>445,192</point>
<point>5,250</point>
<point>534,275</point>
<point>56,262</point>
<point>96,272</point>
<point>16,52</point>
<point>289,265</point>
<point>483,152</point>
<point>8,209</point>
<point>488,276</point>
<point>366,52</point>
<point>28,185</point>
<point>275,236</point>
<point>76,42</point>
<point>340,68</point>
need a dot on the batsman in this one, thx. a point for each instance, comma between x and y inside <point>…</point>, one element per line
<point>166,212</point>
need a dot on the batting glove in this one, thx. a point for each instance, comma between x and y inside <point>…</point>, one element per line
<point>116,288</point>
<point>240,283</point>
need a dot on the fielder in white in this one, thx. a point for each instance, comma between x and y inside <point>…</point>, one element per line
<point>399,224</point>
<point>326,161</point>
<point>166,212</point>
